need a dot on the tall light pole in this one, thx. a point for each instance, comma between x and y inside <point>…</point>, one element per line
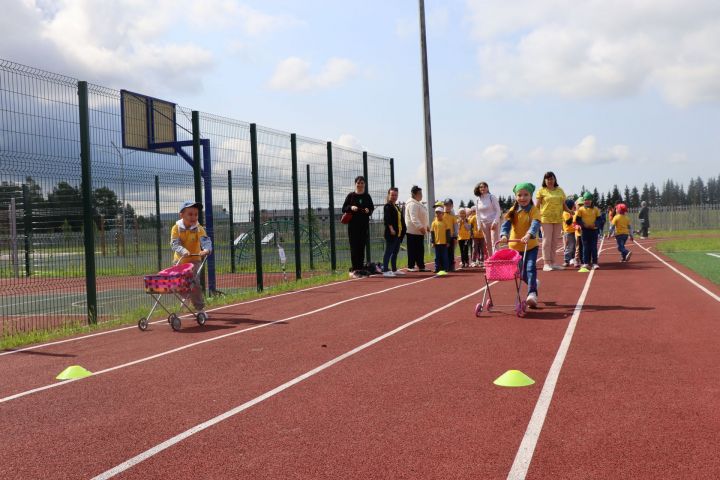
<point>122,190</point>
<point>429,173</point>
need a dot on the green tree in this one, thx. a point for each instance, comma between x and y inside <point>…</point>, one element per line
<point>105,203</point>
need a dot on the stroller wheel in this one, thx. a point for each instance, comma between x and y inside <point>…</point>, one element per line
<point>520,308</point>
<point>478,309</point>
<point>201,318</point>
<point>488,305</point>
<point>143,324</point>
<point>174,322</point>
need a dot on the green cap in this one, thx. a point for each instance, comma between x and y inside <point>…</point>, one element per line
<point>587,196</point>
<point>524,186</point>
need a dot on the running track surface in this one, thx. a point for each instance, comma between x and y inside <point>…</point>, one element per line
<point>626,385</point>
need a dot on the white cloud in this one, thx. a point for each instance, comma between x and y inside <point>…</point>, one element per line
<point>349,141</point>
<point>587,152</point>
<point>608,49</point>
<point>293,74</point>
<point>231,14</point>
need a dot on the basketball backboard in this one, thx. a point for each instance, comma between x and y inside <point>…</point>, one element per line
<point>147,121</point>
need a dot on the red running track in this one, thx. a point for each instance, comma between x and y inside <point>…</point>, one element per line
<point>635,396</point>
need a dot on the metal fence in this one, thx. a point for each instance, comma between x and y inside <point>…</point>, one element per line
<point>135,198</point>
<point>685,217</point>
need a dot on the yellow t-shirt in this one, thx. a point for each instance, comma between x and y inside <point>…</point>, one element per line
<point>551,208</point>
<point>451,222</point>
<point>568,228</point>
<point>463,229</point>
<point>520,225</point>
<point>622,224</point>
<point>440,228</point>
<point>588,215</point>
<point>190,239</point>
<point>477,231</point>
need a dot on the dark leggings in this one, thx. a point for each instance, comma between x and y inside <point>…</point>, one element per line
<point>358,235</point>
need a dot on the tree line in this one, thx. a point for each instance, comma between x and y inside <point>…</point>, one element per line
<point>62,209</point>
<point>671,194</point>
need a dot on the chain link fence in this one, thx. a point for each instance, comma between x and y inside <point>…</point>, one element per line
<point>135,200</point>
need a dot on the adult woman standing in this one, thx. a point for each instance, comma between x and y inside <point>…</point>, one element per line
<point>551,202</point>
<point>488,215</point>
<point>417,222</point>
<point>394,232</point>
<point>360,205</point>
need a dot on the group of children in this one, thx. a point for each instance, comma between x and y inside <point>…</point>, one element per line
<point>583,223</point>
<point>449,230</point>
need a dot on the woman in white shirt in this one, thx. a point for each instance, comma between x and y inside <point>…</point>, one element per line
<point>488,215</point>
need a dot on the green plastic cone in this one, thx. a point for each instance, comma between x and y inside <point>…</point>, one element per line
<point>583,270</point>
<point>513,378</point>
<point>75,371</point>
<point>441,273</point>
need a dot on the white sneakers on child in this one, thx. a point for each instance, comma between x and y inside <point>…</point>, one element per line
<point>398,272</point>
<point>532,300</point>
<point>389,273</point>
<point>547,268</point>
<point>595,266</point>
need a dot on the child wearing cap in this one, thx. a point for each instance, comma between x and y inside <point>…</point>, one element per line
<point>622,230</point>
<point>569,233</point>
<point>522,222</point>
<point>452,222</point>
<point>588,218</point>
<point>440,237</point>
<point>190,243</point>
<point>578,235</point>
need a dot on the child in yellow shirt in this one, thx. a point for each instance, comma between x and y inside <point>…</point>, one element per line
<point>451,221</point>
<point>440,237</point>
<point>569,233</point>
<point>190,243</point>
<point>478,241</point>
<point>522,222</point>
<point>623,229</point>
<point>464,237</point>
<point>588,217</point>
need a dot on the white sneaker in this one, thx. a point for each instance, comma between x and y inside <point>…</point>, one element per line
<point>547,268</point>
<point>413,269</point>
<point>595,266</point>
<point>627,257</point>
<point>558,267</point>
<point>389,273</point>
<point>398,272</point>
<point>584,265</point>
<point>355,275</point>
<point>531,300</point>
<point>572,262</point>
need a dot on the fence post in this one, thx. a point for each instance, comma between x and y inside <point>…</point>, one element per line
<point>12,221</point>
<point>310,218</point>
<point>296,206</point>
<point>158,223</point>
<point>27,228</point>
<point>367,190</point>
<point>197,172</point>
<point>331,209</point>
<point>88,227</point>
<point>392,173</point>
<point>256,206</point>
<point>232,220</point>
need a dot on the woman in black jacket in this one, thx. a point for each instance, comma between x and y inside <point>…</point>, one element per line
<point>394,220</point>
<point>360,205</point>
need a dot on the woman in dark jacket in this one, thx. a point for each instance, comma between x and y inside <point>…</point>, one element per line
<point>394,220</point>
<point>360,205</point>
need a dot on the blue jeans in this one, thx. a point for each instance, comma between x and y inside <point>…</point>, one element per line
<point>569,247</point>
<point>589,241</point>
<point>621,239</point>
<point>392,247</point>
<point>441,257</point>
<point>529,271</point>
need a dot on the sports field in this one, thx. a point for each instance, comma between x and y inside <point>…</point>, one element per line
<point>390,378</point>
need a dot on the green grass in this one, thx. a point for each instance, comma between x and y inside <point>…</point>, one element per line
<point>693,253</point>
<point>683,233</point>
<point>131,318</point>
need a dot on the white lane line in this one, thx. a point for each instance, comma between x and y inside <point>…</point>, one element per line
<point>524,455</point>
<point>712,295</point>
<point>269,297</point>
<point>713,255</point>
<point>207,340</point>
<point>240,408</point>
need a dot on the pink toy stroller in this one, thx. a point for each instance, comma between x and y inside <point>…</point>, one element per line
<point>503,265</point>
<point>176,280</point>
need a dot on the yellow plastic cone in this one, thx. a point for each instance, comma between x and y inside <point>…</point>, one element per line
<point>513,378</point>
<point>441,273</point>
<point>583,270</point>
<point>75,371</point>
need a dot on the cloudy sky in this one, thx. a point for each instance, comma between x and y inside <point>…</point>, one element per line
<point>601,92</point>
